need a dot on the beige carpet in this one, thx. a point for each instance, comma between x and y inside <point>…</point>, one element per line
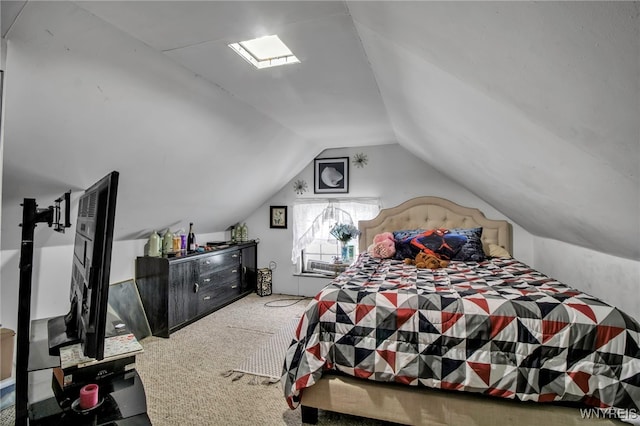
<point>184,375</point>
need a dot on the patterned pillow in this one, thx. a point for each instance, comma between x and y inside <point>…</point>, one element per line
<point>472,249</point>
<point>404,250</point>
<point>439,242</point>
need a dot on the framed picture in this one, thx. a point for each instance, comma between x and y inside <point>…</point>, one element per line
<point>331,175</point>
<point>278,217</point>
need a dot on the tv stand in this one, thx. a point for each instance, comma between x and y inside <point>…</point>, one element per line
<point>123,403</point>
<point>122,394</point>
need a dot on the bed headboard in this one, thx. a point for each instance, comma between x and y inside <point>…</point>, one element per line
<point>435,212</point>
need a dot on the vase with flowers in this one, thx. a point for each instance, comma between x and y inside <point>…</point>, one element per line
<point>344,232</point>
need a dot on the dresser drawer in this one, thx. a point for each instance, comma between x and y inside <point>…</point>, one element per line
<point>220,277</point>
<point>218,262</point>
<point>216,295</point>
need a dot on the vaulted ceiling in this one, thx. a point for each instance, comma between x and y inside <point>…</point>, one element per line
<point>534,107</point>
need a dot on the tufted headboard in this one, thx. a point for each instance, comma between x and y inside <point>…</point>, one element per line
<point>435,212</point>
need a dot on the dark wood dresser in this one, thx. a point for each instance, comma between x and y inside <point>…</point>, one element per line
<point>177,291</point>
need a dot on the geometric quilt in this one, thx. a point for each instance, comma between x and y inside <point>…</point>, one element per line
<point>496,327</point>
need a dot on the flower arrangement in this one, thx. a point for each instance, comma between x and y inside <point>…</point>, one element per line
<point>344,232</point>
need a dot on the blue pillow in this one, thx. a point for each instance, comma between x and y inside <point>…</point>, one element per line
<point>403,238</point>
<point>472,250</point>
<point>441,242</point>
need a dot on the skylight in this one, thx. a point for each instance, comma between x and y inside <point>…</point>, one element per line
<point>265,52</point>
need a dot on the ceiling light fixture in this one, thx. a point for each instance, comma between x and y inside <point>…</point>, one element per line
<point>265,52</point>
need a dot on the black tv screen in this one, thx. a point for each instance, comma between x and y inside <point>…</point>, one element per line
<point>89,292</point>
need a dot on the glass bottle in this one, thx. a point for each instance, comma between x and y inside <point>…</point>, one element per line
<point>154,244</point>
<point>245,233</point>
<point>191,239</point>
<point>177,243</point>
<point>167,242</point>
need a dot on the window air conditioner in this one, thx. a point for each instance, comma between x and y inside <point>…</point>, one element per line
<point>325,267</point>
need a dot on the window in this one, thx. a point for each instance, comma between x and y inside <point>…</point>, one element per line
<point>314,248</point>
<point>265,52</point>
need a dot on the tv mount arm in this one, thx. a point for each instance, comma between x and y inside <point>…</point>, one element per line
<point>60,227</point>
<point>52,214</point>
<point>31,216</point>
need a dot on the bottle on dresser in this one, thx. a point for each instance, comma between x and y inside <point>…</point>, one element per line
<point>245,233</point>
<point>154,245</point>
<point>191,239</point>
<point>167,242</point>
<point>234,233</point>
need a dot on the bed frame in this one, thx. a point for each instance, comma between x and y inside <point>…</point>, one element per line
<point>423,406</point>
<point>431,213</point>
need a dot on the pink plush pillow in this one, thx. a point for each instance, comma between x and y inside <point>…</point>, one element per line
<point>384,236</point>
<point>383,247</point>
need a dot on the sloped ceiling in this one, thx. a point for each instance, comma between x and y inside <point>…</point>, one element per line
<point>151,89</point>
<point>532,106</point>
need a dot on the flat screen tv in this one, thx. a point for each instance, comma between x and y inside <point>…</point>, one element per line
<point>86,320</point>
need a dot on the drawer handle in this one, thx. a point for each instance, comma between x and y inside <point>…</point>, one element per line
<point>206,280</point>
<point>196,287</point>
<point>206,262</point>
<point>234,255</point>
<point>234,286</point>
<point>206,298</point>
<point>234,271</point>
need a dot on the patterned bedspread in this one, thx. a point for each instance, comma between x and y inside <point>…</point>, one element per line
<point>496,327</point>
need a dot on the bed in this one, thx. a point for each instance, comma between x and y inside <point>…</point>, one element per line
<point>480,342</point>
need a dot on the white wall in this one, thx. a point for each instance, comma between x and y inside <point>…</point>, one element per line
<point>612,279</point>
<point>392,174</point>
<point>52,275</point>
<point>395,175</point>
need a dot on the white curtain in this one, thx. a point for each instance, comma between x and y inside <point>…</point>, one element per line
<point>310,217</point>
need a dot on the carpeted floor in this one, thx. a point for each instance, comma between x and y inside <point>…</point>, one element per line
<point>186,376</point>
